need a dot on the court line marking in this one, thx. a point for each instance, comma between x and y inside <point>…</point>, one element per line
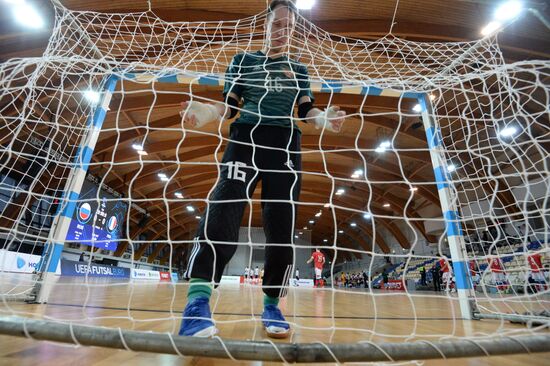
<point>249,314</point>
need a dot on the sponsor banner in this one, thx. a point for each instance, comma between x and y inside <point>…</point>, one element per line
<point>164,276</point>
<point>74,268</point>
<point>395,285</point>
<point>144,274</point>
<point>18,262</point>
<point>230,280</point>
<point>301,283</point>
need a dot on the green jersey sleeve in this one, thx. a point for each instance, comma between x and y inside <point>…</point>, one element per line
<point>232,77</point>
<point>303,83</point>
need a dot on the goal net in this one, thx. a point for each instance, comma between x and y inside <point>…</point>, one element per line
<point>439,178</point>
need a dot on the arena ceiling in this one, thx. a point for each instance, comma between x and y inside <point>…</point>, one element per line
<point>419,20</point>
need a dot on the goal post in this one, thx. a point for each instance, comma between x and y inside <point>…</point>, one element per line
<point>48,265</point>
<point>449,209</point>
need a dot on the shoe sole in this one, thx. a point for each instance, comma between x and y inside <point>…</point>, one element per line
<point>277,335</point>
<point>206,332</point>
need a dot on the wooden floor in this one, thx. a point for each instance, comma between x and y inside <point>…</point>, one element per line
<point>315,315</point>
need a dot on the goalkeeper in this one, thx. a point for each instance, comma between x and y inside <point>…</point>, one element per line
<point>264,145</point>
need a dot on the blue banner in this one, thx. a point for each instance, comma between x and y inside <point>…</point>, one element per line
<point>73,268</point>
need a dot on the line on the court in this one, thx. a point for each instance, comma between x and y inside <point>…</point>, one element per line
<point>257,315</point>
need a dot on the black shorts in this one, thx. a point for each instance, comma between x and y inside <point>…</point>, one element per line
<point>267,153</point>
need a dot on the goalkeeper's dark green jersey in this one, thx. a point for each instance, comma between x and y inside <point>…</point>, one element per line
<point>270,88</point>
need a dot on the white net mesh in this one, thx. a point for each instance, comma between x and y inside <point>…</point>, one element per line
<point>492,118</point>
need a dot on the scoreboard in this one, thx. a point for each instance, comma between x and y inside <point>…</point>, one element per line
<point>98,218</point>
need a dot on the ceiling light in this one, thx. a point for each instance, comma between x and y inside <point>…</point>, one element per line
<point>491,28</point>
<point>178,194</point>
<point>340,231</point>
<point>305,227</point>
<point>163,177</point>
<point>139,149</point>
<point>318,214</point>
<point>451,168</point>
<point>508,131</point>
<point>353,224</point>
<point>27,15</point>
<point>198,217</point>
<point>386,205</point>
<point>92,96</point>
<point>357,174</point>
<point>296,236</point>
<point>327,205</point>
<point>305,4</point>
<point>413,189</point>
<point>340,191</point>
<point>311,221</point>
<point>190,208</point>
<point>432,97</point>
<point>367,216</point>
<point>383,146</point>
<point>301,233</point>
<point>325,240</point>
<point>509,10</point>
<point>417,108</point>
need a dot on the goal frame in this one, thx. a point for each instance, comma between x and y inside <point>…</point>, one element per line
<point>453,230</point>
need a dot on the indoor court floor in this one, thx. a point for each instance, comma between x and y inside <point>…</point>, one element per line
<point>315,315</point>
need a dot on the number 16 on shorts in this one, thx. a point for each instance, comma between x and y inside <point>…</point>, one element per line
<point>234,172</point>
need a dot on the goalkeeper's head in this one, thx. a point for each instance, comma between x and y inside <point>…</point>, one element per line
<point>281,16</point>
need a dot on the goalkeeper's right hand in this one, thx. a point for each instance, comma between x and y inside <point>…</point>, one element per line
<point>197,114</point>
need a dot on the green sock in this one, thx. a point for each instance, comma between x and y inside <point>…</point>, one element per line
<point>268,300</point>
<point>199,288</point>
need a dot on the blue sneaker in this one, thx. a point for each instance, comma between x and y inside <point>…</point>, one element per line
<point>197,319</point>
<point>274,322</point>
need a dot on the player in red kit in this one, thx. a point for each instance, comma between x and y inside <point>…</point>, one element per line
<point>318,259</point>
<point>497,271</point>
<point>536,270</point>
<point>447,273</point>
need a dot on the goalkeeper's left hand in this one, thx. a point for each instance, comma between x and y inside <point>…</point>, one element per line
<point>331,118</point>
